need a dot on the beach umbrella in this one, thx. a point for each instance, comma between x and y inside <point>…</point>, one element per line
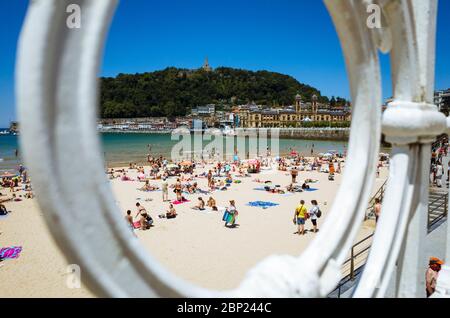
<point>186,163</point>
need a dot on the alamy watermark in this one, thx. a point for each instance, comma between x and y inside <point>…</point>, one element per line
<point>374,19</point>
<point>73,279</point>
<point>73,20</point>
<point>216,144</point>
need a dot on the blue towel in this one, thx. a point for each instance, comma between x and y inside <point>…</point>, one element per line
<point>262,204</point>
<point>311,189</point>
<point>260,189</point>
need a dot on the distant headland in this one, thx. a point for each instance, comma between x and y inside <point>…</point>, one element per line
<point>174,92</point>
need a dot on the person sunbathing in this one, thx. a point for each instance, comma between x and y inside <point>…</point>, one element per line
<point>192,188</point>
<point>200,205</point>
<point>294,188</point>
<point>3,210</point>
<point>148,187</point>
<point>305,186</point>
<point>112,174</point>
<point>141,177</point>
<point>170,214</point>
<point>229,179</point>
<point>212,203</point>
<point>125,177</point>
<point>7,199</point>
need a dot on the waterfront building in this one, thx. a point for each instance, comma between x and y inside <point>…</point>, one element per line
<point>252,116</point>
<point>204,111</point>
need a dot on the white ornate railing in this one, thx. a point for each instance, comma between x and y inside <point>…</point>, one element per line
<point>57,95</point>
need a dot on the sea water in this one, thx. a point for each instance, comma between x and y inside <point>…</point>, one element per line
<point>123,148</point>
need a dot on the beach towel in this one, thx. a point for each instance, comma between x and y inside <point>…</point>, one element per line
<point>137,225</point>
<point>10,252</point>
<point>262,204</point>
<point>260,189</point>
<point>311,189</point>
<point>225,216</point>
<point>228,217</point>
<point>180,202</point>
<point>157,190</point>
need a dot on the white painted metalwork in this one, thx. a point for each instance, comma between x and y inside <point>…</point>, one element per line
<point>57,97</point>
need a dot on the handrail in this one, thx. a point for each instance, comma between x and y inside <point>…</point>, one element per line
<point>432,221</point>
<point>354,271</point>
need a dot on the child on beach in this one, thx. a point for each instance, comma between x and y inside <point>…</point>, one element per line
<point>129,220</point>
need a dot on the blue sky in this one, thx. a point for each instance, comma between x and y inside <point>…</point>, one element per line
<point>286,36</point>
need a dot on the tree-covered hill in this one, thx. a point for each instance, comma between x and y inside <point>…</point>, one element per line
<point>173,91</point>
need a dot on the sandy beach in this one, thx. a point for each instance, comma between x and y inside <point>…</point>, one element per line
<point>196,245</point>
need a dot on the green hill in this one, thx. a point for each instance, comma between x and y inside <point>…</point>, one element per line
<point>173,91</point>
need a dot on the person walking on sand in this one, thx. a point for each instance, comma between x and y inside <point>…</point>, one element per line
<point>231,215</point>
<point>165,190</point>
<point>300,216</point>
<point>178,190</point>
<point>294,173</point>
<point>314,214</point>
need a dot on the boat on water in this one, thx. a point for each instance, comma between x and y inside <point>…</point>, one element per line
<point>5,132</point>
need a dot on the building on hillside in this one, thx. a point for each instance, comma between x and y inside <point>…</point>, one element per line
<point>206,67</point>
<point>252,116</point>
<point>204,111</point>
<point>442,101</point>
